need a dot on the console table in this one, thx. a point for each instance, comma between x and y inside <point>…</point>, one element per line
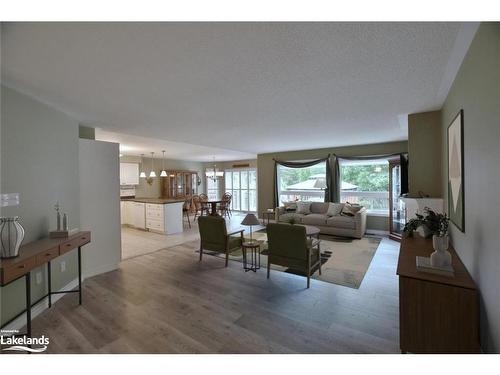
<point>437,314</point>
<point>36,254</point>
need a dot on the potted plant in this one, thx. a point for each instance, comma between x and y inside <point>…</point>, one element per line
<point>292,220</point>
<point>437,226</point>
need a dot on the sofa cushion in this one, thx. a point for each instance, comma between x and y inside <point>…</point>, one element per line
<point>286,217</point>
<point>350,209</point>
<point>319,207</point>
<point>314,219</point>
<point>290,206</point>
<point>304,208</point>
<point>345,222</point>
<point>334,209</point>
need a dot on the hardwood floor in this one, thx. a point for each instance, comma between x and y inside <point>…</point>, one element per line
<point>168,302</point>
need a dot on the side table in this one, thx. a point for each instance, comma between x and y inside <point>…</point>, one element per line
<point>251,256</point>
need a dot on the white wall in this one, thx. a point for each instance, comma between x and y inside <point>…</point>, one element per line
<point>99,167</point>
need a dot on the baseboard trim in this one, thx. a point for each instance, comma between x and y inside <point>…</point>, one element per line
<point>377,232</point>
<point>20,322</point>
<point>101,269</point>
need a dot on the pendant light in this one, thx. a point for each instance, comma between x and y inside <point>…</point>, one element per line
<point>142,174</point>
<point>214,174</point>
<point>163,172</point>
<point>152,174</point>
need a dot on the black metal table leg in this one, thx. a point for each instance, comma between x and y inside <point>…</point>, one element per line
<point>79,275</point>
<point>28,304</point>
<point>49,282</point>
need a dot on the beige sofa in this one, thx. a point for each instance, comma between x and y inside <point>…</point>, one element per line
<point>338,225</point>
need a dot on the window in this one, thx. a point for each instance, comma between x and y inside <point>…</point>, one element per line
<point>366,182</point>
<point>242,185</point>
<point>212,189</point>
<point>304,184</point>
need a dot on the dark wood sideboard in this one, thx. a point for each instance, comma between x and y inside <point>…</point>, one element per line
<point>36,254</point>
<point>437,314</point>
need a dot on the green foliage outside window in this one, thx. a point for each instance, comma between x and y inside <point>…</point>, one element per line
<point>366,177</point>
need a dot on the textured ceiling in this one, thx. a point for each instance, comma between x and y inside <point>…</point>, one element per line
<point>247,87</point>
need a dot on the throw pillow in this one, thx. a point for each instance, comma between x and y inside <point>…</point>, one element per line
<point>334,209</point>
<point>304,208</point>
<point>350,209</point>
<point>290,206</point>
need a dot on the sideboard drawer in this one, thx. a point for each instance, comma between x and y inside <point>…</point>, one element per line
<point>47,256</point>
<point>83,239</point>
<point>14,271</point>
<point>69,245</point>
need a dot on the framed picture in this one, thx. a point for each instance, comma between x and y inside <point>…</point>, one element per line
<point>456,199</point>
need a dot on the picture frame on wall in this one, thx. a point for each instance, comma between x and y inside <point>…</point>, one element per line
<point>455,152</point>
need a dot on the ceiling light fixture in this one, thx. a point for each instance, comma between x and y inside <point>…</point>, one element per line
<point>152,174</point>
<point>142,174</point>
<point>213,173</point>
<point>163,172</point>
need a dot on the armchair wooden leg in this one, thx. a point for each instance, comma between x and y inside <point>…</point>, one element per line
<point>201,252</point>
<point>268,268</point>
<point>227,258</point>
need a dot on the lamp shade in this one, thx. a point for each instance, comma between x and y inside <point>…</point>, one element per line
<point>320,183</point>
<point>250,219</point>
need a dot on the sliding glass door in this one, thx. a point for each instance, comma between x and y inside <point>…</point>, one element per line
<point>242,185</point>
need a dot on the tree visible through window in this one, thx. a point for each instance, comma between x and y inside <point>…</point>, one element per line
<point>301,183</point>
<point>366,183</point>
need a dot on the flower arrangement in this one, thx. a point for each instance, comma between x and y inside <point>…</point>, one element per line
<point>437,224</point>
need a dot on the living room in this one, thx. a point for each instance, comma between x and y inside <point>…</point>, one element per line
<point>249,188</point>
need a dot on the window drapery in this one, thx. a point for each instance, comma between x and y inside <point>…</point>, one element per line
<point>333,183</point>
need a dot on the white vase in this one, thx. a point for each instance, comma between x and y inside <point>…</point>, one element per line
<point>11,236</point>
<point>441,257</point>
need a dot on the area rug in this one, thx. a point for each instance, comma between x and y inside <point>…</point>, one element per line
<point>344,261</point>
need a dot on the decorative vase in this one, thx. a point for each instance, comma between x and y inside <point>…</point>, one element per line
<point>441,257</point>
<point>11,236</point>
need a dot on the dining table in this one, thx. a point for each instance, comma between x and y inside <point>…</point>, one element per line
<point>213,204</point>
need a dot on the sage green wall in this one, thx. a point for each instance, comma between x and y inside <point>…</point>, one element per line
<point>476,90</point>
<point>424,154</point>
<point>39,158</point>
<point>265,167</point>
<point>144,190</point>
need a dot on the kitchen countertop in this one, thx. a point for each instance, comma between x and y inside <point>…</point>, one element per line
<point>153,200</point>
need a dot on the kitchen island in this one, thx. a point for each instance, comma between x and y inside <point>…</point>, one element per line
<point>158,215</point>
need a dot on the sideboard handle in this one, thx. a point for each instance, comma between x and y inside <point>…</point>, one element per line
<point>22,266</point>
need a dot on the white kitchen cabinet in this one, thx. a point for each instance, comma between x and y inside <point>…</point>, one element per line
<point>138,215</point>
<point>164,218</point>
<point>129,174</point>
<point>126,212</point>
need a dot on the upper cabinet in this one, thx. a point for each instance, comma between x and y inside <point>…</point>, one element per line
<point>179,184</point>
<point>129,174</point>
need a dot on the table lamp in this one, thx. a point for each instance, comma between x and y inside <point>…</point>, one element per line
<point>250,220</point>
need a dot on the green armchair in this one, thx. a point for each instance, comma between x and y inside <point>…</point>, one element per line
<point>288,246</point>
<point>214,236</point>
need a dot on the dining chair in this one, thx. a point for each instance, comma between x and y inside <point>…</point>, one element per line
<point>186,207</point>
